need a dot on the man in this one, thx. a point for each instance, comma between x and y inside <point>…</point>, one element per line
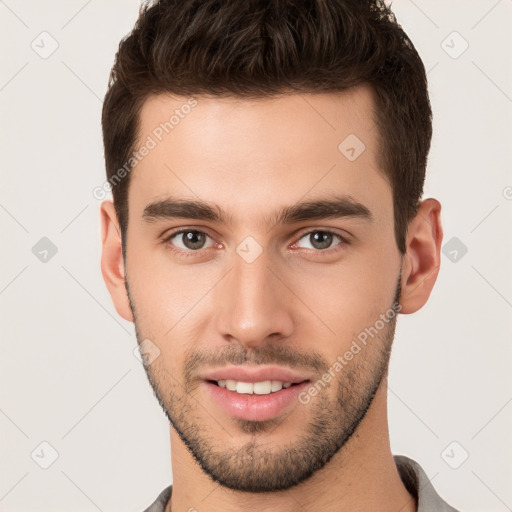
<point>267,162</point>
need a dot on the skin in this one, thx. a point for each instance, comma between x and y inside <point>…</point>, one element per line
<point>295,305</point>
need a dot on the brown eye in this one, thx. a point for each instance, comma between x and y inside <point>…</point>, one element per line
<point>191,239</point>
<point>321,240</point>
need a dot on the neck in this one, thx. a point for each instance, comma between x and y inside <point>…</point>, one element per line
<point>361,476</point>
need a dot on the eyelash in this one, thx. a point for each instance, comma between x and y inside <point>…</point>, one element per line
<point>191,253</point>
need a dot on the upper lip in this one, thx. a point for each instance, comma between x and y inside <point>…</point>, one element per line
<point>255,374</point>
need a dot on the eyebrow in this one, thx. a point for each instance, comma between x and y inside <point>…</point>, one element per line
<point>335,206</point>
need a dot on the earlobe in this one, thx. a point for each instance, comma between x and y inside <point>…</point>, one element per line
<point>112,264</point>
<point>422,259</point>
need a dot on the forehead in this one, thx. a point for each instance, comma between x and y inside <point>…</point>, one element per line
<point>249,154</point>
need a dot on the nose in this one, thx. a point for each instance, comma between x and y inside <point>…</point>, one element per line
<point>254,303</point>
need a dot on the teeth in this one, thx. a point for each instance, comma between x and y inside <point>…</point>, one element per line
<point>245,388</point>
<point>262,388</point>
<point>276,385</point>
<point>257,388</point>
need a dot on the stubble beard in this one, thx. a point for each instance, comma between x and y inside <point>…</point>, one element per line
<point>254,467</point>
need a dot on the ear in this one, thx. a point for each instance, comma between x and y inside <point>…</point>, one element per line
<point>112,264</point>
<point>422,258</point>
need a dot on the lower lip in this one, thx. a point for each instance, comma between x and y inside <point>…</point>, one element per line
<point>255,407</point>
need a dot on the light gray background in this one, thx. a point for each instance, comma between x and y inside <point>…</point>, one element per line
<point>68,373</point>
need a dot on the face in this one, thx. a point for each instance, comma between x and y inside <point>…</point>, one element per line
<point>257,244</point>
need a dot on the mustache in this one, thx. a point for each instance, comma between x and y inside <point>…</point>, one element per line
<point>235,354</point>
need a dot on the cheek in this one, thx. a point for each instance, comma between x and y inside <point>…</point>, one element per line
<point>166,295</point>
<point>164,308</point>
<point>334,301</point>
<point>347,297</point>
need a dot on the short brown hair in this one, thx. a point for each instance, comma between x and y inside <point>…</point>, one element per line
<point>259,48</point>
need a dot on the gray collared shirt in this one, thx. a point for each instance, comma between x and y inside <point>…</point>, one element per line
<point>411,473</point>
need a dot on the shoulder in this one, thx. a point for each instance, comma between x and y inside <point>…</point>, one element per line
<point>161,502</point>
<point>419,485</point>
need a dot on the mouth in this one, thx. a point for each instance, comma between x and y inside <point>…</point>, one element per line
<point>255,401</point>
<point>265,387</point>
